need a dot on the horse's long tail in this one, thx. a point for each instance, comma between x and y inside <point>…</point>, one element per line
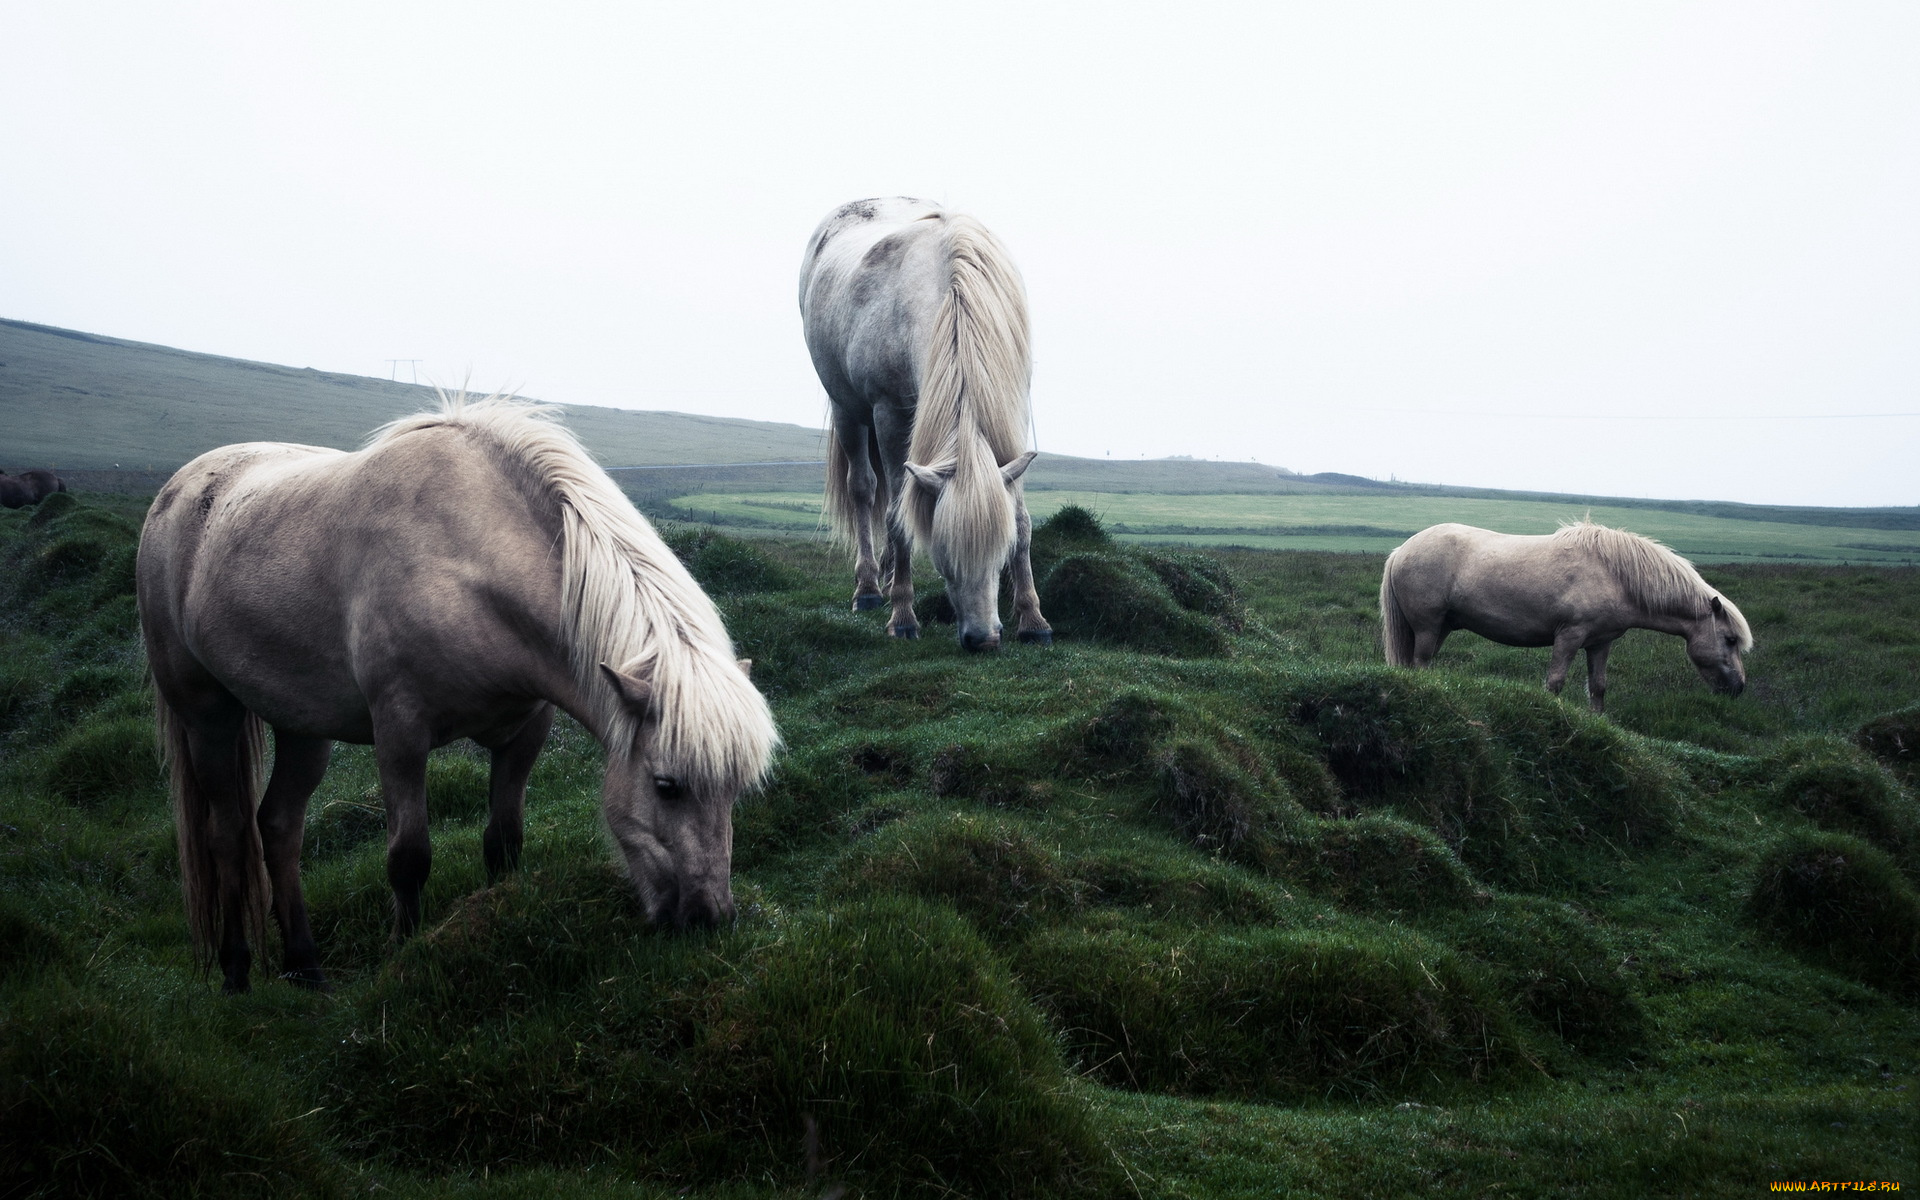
<point>1395,633</point>
<point>974,379</point>
<point>193,817</point>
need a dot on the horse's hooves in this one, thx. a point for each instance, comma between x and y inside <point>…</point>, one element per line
<point>312,979</point>
<point>911,633</point>
<point>868,603</point>
<point>1037,637</point>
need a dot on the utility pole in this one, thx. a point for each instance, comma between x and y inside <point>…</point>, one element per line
<point>413,368</point>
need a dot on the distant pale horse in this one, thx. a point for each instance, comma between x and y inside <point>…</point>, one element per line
<point>917,323</point>
<point>1580,588</point>
<point>462,576</point>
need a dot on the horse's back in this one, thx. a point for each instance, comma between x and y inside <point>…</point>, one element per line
<point>1509,587</point>
<point>871,282</point>
<point>298,577</point>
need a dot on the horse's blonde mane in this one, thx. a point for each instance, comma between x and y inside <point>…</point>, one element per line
<point>629,603</point>
<point>971,414</point>
<point>1655,577</point>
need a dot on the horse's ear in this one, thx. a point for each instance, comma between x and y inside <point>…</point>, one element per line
<point>933,479</point>
<point>634,691</point>
<point>746,667</point>
<point>1017,467</point>
<point>1719,609</point>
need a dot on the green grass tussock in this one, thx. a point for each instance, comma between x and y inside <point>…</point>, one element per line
<point>96,1099</point>
<point>1842,903</point>
<point>102,762</point>
<point>1838,788</point>
<point>1894,739</point>
<point>1279,1015</point>
<point>1103,597</point>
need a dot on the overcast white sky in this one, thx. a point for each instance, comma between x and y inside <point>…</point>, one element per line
<point>1654,249</point>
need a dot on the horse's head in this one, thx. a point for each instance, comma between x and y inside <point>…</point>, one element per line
<point>1715,644</point>
<point>971,535</point>
<point>674,823</point>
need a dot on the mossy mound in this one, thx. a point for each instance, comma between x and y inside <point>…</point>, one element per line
<point>1378,863</point>
<point>1275,1015</point>
<point>1200,584</point>
<point>726,566</point>
<point>105,762</point>
<point>1223,806</point>
<point>1110,598</point>
<point>1070,529</point>
<point>1124,733</point>
<point>1552,966</point>
<point>885,1026</point>
<point>996,871</point>
<point>1894,739</point>
<point>1839,790</point>
<point>1840,902</point>
<point>1394,738</point>
<point>95,1101</point>
<point>891,1024</point>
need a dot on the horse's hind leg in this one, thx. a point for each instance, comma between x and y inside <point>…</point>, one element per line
<point>1597,676</point>
<point>513,760</point>
<point>400,748</point>
<point>299,763</point>
<point>1031,625</point>
<point>862,490</point>
<point>1426,644</point>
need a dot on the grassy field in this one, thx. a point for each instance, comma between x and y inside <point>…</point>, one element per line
<point>1201,902</point>
<point>1367,523</point>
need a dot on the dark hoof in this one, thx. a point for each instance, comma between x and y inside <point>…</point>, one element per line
<point>910,632</point>
<point>313,979</point>
<point>1037,637</point>
<point>869,603</point>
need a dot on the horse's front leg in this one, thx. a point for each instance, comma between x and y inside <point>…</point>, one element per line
<point>903,624</point>
<point>513,759</point>
<point>1566,644</point>
<point>400,746</point>
<point>299,763</point>
<point>1032,627</point>
<point>1597,676</point>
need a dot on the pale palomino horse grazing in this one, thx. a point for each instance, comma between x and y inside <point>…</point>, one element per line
<point>1580,588</point>
<point>461,576</point>
<point>917,323</point>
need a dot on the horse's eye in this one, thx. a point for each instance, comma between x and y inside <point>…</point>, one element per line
<point>667,786</point>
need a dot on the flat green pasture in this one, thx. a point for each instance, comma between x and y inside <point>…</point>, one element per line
<point>1372,524</point>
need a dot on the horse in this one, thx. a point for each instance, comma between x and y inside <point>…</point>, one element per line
<point>916,320</point>
<point>464,574</point>
<point>1579,588</point>
<point>28,487</point>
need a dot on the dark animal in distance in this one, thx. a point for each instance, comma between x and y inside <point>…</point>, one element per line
<point>462,576</point>
<point>1580,588</point>
<point>917,323</point>
<point>28,487</point>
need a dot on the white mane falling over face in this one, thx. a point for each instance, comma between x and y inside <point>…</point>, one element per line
<point>1655,577</point>
<point>629,603</point>
<point>973,408</point>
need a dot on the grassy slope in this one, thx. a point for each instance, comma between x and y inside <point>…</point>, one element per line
<point>1374,523</point>
<point>1589,1013</point>
<point>75,400</point>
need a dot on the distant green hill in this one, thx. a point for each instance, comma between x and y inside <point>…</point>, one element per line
<point>79,400</point>
<point>85,403</point>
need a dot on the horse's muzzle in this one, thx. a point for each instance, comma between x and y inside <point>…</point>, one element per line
<point>974,642</point>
